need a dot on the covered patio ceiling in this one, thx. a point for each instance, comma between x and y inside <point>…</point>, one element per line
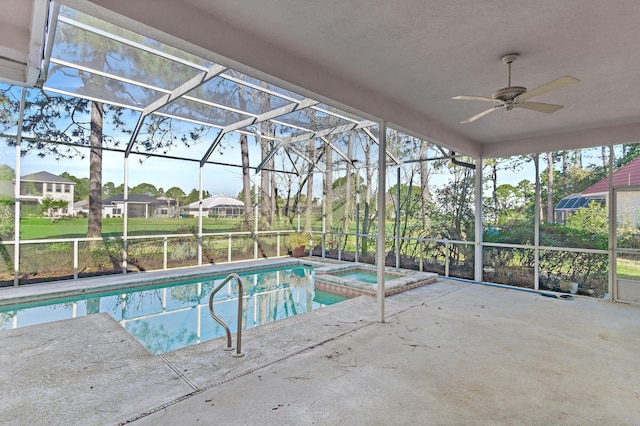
<point>403,62</point>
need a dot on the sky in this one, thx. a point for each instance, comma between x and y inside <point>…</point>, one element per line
<point>162,173</point>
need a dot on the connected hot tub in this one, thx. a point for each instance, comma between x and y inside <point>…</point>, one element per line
<point>361,279</point>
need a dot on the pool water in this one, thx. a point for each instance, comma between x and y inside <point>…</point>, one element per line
<point>362,275</point>
<point>177,315</point>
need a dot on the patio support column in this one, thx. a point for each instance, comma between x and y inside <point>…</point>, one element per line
<point>478,222</point>
<point>382,190</point>
<point>125,223</point>
<point>16,194</point>
<point>612,211</point>
<point>536,237</point>
<point>324,214</point>
<point>357,214</point>
<point>256,212</point>
<point>200,180</point>
<point>398,216</point>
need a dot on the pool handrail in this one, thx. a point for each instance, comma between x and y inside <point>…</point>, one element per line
<point>219,320</point>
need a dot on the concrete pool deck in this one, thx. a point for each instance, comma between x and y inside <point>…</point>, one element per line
<point>449,353</point>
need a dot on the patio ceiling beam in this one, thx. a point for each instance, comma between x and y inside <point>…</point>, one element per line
<point>337,150</point>
<point>146,86</point>
<point>165,100</point>
<point>128,42</point>
<point>185,88</point>
<point>212,147</point>
<point>267,157</point>
<point>374,139</point>
<point>329,131</point>
<point>283,110</point>
<point>293,164</point>
<point>286,109</point>
<point>286,97</point>
<point>54,11</point>
<point>307,159</point>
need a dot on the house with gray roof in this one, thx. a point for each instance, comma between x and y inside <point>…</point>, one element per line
<point>216,206</point>
<point>139,205</point>
<point>35,187</point>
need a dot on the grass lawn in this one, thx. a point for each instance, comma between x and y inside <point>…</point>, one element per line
<point>42,228</point>
<point>626,268</point>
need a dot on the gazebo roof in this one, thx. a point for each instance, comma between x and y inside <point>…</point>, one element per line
<point>133,198</point>
<point>216,201</point>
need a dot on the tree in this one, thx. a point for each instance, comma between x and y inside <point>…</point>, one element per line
<point>7,222</point>
<point>348,181</point>
<point>80,123</point>
<point>145,189</point>
<point>308,214</point>
<point>252,193</point>
<point>550,204</point>
<point>424,184</point>
<point>94,228</point>
<point>109,189</point>
<point>327,182</point>
<point>51,207</point>
<point>194,196</point>
<point>7,173</point>
<point>176,194</point>
<point>81,187</point>
<point>590,220</point>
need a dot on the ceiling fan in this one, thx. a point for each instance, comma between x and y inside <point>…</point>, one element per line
<point>511,97</point>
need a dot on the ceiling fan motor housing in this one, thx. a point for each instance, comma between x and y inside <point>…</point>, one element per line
<point>507,95</point>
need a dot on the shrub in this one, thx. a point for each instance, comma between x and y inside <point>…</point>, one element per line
<point>7,223</point>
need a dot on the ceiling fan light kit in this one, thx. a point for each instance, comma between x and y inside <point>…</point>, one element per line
<point>511,97</point>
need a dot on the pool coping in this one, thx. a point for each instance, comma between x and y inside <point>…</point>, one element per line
<point>38,292</point>
<point>31,293</point>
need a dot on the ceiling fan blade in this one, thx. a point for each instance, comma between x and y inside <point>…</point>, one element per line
<point>539,107</point>
<point>475,98</point>
<point>556,84</point>
<point>480,115</point>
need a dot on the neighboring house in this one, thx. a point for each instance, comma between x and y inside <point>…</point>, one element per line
<point>627,175</point>
<point>571,203</point>
<point>7,189</point>
<point>81,208</point>
<point>216,206</point>
<point>37,186</point>
<point>139,206</point>
<point>168,209</point>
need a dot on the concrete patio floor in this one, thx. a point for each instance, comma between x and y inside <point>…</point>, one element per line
<point>448,353</point>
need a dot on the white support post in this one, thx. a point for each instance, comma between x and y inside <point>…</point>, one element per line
<point>200,183</point>
<point>164,252</point>
<point>398,193</point>
<point>256,212</point>
<point>536,237</point>
<point>324,214</point>
<point>16,195</point>
<point>125,226</point>
<point>447,258</point>
<point>75,259</point>
<point>382,190</point>
<point>357,215</point>
<point>613,241</point>
<point>478,225</point>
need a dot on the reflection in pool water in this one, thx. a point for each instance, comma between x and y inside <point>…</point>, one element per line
<point>177,315</point>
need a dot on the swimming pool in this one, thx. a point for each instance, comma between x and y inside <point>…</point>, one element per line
<point>176,315</point>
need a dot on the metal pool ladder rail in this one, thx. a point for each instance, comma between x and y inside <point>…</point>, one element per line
<point>229,347</point>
